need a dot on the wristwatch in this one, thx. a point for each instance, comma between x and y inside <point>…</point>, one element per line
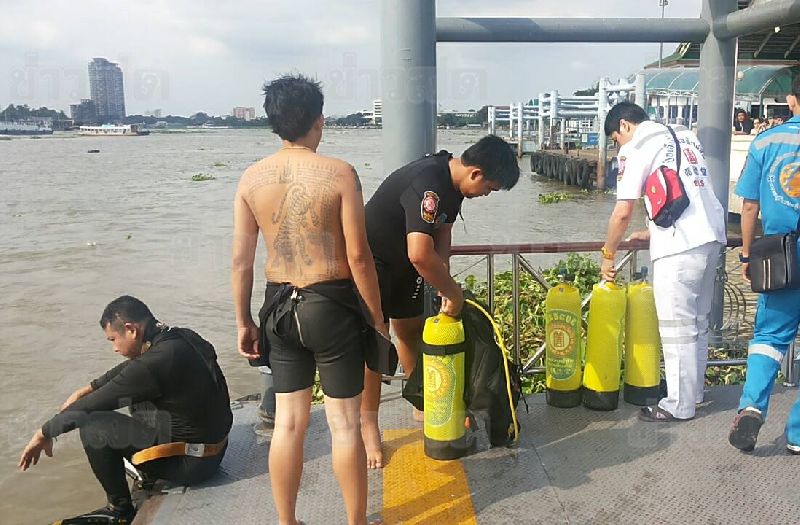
<point>607,254</point>
<point>743,259</point>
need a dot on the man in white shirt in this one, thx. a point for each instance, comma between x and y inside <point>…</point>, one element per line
<point>684,254</point>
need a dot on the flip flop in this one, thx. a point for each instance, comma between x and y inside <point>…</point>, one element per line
<point>657,414</point>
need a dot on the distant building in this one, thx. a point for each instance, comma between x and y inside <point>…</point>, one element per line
<point>85,112</point>
<point>459,114</point>
<point>244,113</point>
<point>106,87</point>
<point>375,115</point>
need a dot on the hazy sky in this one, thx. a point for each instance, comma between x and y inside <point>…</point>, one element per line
<point>185,56</point>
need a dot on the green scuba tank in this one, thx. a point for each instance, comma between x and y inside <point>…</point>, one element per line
<point>563,343</point>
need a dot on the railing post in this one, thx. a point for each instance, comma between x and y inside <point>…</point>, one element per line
<point>515,299</point>
<point>602,140</point>
<point>490,282</point>
<point>717,79</point>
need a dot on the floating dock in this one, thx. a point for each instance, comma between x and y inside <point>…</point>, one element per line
<point>570,466</point>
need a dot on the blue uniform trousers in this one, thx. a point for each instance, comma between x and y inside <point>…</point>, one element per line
<point>777,320</point>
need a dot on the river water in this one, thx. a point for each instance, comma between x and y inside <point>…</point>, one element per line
<point>79,229</point>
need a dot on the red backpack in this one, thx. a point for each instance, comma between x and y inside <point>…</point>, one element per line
<point>665,192</point>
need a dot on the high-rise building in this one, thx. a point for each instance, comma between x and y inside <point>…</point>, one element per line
<point>244,113</point>
<point>105,85</point>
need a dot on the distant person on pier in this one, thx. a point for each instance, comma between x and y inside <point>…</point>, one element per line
<point>684,252</point>
<point>409,224</point>
<point>742,125</point>
<point>177,394</point>
<point>770,185</point>
<point>309,210</point>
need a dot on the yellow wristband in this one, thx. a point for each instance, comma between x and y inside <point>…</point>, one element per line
<point>607,254</point>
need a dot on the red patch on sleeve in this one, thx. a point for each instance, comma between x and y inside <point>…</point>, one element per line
<point>429,206</point>
<point>620,168</point>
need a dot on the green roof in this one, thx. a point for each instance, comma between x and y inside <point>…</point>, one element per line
<point>751,81</point>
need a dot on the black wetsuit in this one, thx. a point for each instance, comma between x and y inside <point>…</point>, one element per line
<point>176,392</point>
<point>419,197</point>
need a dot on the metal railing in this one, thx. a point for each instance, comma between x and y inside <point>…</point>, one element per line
<point>630,260</point>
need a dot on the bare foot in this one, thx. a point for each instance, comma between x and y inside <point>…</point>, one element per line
<point>417,415</point>
<point>371,434</point>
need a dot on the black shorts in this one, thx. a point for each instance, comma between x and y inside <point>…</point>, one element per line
<point>402,291</point>
<point>313,331</point>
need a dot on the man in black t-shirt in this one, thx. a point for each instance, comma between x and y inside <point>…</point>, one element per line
<point>177,395</point>
<point>743,125</point>
<point>409,225</point>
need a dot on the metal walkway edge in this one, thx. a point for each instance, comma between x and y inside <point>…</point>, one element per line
<point>571,466</point>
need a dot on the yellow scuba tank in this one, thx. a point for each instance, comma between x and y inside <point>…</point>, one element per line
<point>604,336</point>
<point>642,346</point>
<point>443,381</point>
<point>562,346</point>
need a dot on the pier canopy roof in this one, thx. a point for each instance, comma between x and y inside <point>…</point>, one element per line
<point>774,46</point>
<point>752,82</point>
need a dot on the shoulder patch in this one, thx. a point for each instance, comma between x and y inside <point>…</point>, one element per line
<point>429,206</point>
<point>790,179</point>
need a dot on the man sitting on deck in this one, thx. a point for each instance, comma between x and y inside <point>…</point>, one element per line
<point>178,398</point>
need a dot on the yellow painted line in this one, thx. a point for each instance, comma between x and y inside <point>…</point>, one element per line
<point>418,489</point>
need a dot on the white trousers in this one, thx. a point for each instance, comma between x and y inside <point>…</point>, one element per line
<point>683,286</point>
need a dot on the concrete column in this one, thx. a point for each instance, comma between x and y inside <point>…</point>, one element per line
<point>490,117</point>
<point>717,81</point>
<point>520,132</point>
<point>602,140</point>
<point>554,116</point>
<point>640,94</point>
<point>541,120</point>
<point>408,46</point>
<point>511,122</point>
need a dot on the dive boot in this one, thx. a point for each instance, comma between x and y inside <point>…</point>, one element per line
<point>108,515</point>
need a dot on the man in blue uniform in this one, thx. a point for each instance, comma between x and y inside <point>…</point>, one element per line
<point>770,183</point>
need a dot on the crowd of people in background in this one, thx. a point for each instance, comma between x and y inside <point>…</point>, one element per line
<point>743,124</point>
